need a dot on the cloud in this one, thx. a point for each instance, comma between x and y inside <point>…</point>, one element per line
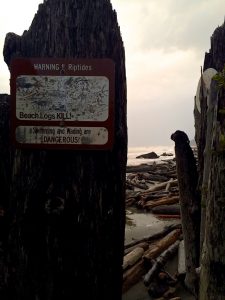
<point>170,24</point>
<point>154,73</point>
<point>15,16</point>
<point>165,42</point>
<point>153,123</point>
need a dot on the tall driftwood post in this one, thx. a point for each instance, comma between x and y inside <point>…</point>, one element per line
<point>66,207</point>
<point>212,275</point>
<point>190,206</point>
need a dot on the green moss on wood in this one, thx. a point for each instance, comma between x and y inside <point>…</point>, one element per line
<point>220,79</point>
<point>222,111</point>
<point>222,142</point>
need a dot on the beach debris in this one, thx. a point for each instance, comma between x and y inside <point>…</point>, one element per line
<point>134,272</point>
<point>143,245</point>
<point>159,246</point>
<point>153,189</point>
<point>160,262</point>
<point>161,201</point>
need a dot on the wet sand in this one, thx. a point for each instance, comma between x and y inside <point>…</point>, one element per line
<point>140,224</point>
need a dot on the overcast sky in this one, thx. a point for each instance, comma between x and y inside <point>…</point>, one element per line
<point>165,42</point>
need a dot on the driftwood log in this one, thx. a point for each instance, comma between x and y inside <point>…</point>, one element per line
<point>160,186</point>
<point>131,258</point>
<point>173,209</point>
<point>133,275</point>
<point>160,262</point>
<point>190,206</point>
<point>143,245</point>
<point>66,209</point>
<point>159,246</point>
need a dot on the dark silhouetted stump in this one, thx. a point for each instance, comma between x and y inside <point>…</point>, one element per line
<point>66,208</point>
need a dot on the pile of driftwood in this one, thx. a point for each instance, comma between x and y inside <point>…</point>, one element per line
<point>154,188</point>
<point>145,259</point>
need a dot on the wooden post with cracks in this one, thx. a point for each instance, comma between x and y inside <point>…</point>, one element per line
<point>66,214</point>
<point>190,206</point>
<point>212,275</point>
<point>210,124</point>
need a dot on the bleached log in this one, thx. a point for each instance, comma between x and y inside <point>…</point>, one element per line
<point>143,245</point>
<point>131,258</point>
<point>168,186</point>
<point>160,262</point>
<point>181,259</point>
<point>159,246</point>
<point>160,186</point>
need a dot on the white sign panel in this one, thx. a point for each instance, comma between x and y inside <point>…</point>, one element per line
<point>54,98</point>
<point>61,135</point>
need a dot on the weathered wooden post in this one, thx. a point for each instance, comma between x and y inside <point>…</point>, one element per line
<point>66,203</point>
<point>190,206</point>
<point>212,275</point>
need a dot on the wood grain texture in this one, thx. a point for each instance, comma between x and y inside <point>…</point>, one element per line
<point>212,276</point>
<point>67,207</point>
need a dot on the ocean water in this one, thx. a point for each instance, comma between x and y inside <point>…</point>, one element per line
<point>133,152</point>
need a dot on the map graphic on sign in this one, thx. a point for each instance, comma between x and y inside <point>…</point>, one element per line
<point>72,98</point>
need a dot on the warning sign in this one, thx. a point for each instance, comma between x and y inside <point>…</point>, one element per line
<point>59,103</point>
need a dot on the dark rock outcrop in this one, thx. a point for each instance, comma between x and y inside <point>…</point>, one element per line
<point>151,155</point>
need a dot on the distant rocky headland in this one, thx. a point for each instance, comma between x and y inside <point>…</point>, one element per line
<point>153,155</point>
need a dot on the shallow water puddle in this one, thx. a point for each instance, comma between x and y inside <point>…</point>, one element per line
<point>140,225</point>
